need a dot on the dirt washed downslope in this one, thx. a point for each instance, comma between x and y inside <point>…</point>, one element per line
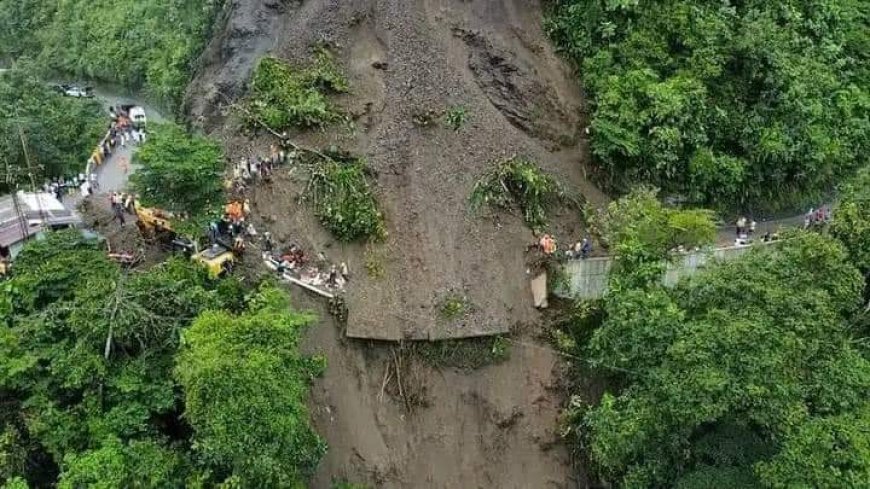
<point>405,57</point>
<point>490,428</point>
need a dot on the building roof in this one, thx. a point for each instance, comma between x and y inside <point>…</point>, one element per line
<point>37,211</point>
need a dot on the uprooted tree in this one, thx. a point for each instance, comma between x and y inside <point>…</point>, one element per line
<point>284,96</point>
<point>518,184</point>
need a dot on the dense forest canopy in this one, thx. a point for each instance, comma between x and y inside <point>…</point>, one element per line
<point>754,373</point>
<point>150,44</point>
<point>59,132</point>
<point>735,103</point>
<point>114,378</point>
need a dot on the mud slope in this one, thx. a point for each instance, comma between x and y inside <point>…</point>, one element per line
<point>489,56</point>
<point>493,427</point>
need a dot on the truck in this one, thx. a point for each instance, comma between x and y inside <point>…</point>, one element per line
<point>135,113</point>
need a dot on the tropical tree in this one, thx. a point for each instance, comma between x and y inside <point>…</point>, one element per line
<point>727,376</point>
<point>89,361</point>
<point>737,103</point>
<point>179,171</point>
<point>140,44</point>
<point>56,134</point>
<point>245,385</point>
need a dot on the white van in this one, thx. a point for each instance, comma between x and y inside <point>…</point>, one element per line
<point>137,117</point>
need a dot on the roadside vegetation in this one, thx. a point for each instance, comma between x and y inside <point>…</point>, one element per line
<point>753,373</point>
<point>60,133</point>
<point>114,378</point>
<point>141,44</point>
<point>518,184</point>
<point>753,103</point>
<point>285,96</point>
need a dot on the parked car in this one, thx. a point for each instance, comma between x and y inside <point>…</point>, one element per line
<point>79,92</point>
<point>73,90</point>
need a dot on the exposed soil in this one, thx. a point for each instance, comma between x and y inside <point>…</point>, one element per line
<point>493,427</point>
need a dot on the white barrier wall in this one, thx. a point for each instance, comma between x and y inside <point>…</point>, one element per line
<point>587,279</point>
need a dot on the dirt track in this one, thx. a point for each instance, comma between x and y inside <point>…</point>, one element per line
<point>492,58</point>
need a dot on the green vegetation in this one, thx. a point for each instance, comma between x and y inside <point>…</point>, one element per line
<point>642,232</point>
<point>150,44</point>
<point>245,388</point>
<point>735,103</point>
<point>179,172</point>
<point>60,132</point>
<point>283,96</point>
<point>750,374</point>
<point>851,224</point>
<point>344,201</point>
<point>518,183</point>
<point>456,117</point>
<point>468,353</point>
<point>147,379</point>
<point>454,306</point>
<point>374,262</point>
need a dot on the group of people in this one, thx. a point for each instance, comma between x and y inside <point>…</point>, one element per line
<point>745,229</point>
<point>234,225</point>
<point>817,217</point>
<point>59,187</point>
<point>295,262</point>
<point>248,169</point>
<point>546,244</point>
<point>119,133</point>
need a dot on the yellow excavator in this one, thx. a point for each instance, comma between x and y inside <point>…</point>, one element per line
<point>156,225</point>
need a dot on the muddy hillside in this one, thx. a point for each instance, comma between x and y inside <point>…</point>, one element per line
<point>406,59</point>
<point>492,427</point>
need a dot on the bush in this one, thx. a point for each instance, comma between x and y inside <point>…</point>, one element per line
<point>518,183</point>
<point>456,117</point>
<point>343,200</point>
<point>284,96</point>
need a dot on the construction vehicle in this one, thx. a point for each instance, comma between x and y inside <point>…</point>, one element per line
<point>156,225</point>
<point>217,259</point>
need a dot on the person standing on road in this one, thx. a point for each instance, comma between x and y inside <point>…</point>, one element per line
<point>741,225</point>
<point>124,163</point>
<point>119,215</point>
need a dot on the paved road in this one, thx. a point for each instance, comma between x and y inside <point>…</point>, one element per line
<point>728,234</point>
<point>115,172</point>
